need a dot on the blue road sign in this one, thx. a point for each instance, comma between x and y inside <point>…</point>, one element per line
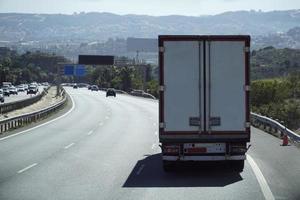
<point>80,70</point>
<point>74,70</point>
<point>69,70</point>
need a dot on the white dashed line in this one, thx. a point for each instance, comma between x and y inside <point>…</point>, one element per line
<point>90,133</point>
<point>107,117</point>
<point>101,124</point>
<point>154,124</point>
<point>68,146</point>
<point>156,133</point>
<point>261,179</point>
<point>140,169</point>
<point>26,168</point>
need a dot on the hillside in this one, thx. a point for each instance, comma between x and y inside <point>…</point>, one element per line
<point>270,62</point>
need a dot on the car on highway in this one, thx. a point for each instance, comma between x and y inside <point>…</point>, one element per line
<point>110,92</point>
<point>25,87</point>
<point>13,90</point>
<point>94,88</point>
<point>6,91</point>
<point>20,88</point>
<point>1,96</point>
<point>32,89</point>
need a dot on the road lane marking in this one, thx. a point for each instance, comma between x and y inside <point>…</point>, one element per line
<point>91,132</point>
<point>101,123</point>
<point>156,133</point>
<point>38,126</point>
<point>26,168</point>
<point>261,179</point>
<point>140,169</point>
<point>154,124</point>
<point>107,117</point>
<point>68,146</point>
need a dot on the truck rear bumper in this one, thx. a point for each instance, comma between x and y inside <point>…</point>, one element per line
<point>204,158</point>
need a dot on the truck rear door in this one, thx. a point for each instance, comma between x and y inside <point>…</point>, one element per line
<point>226,86</point>
<point>182,83</point>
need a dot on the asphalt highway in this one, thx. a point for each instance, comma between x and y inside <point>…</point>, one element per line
<point>107,148</point>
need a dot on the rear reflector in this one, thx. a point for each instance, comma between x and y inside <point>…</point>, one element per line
<point>238,149</point>
<point>171,149</point>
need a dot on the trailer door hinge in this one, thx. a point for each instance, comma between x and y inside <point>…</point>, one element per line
<point>247,87</point>
<point>161,125</point>
<point>247,124</point>
<point>161,49</point>
<point>161,88</point>
<point>246,49</point>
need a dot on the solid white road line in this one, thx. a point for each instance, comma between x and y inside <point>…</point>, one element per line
<point>68,146</point>
<point>261,179</point>
<point>26,168</point>
<point>91,132</point>
<point>140,169</point>
<point>38,126</point>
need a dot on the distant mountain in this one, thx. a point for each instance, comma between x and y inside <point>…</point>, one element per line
<point>101,26</point>
<point>290,39</point>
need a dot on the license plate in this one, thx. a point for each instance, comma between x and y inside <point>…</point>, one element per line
<point>197,150</point>
<point>204,147</point>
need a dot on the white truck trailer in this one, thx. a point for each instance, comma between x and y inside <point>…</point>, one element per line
<point>204,98</point>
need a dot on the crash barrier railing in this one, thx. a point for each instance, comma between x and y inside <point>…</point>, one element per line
<point>144,94</point>
<point>7,107</point>
<point>272,126</point>
<point>21,120</point>
<point>138,94</point>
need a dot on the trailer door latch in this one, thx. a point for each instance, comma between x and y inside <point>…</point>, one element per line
<point>194,121</point>
<point>215,121</point>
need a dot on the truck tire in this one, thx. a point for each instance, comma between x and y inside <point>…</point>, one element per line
<point>238,165</point>
<point>168,166</point>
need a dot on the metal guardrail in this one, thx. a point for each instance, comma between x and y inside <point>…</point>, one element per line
<point>272,125</point>
<point>7,107</point>
<point>144,94</point>
<point>19,121</point>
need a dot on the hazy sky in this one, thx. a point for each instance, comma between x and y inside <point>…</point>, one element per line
<point>150,7</point>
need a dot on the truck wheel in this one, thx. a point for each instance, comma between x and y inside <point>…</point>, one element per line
<point>168,166</point>
<point>238,165</point>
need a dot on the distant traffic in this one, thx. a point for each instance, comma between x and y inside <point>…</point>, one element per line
<point>109,91</point>
<point>7,89</point>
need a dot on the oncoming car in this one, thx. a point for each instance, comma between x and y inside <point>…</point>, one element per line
<point>32,89</point>
<point>1,96</point>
